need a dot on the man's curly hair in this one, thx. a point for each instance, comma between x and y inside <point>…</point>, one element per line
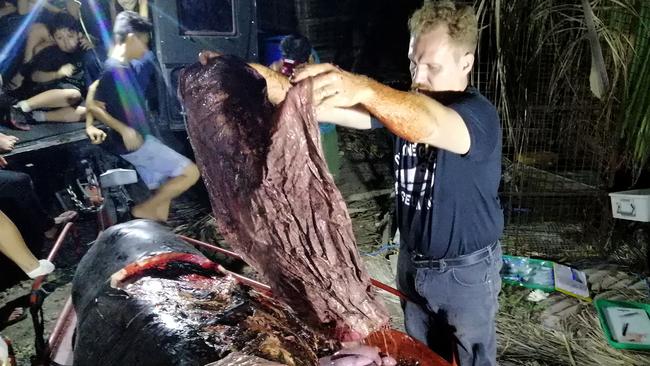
<point>460,20</point>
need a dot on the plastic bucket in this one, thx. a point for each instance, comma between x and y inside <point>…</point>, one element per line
<point>271,50</point>
<point>401,346</point>
<point>330,143</point>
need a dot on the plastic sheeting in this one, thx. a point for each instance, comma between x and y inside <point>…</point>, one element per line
<point>272,196</point>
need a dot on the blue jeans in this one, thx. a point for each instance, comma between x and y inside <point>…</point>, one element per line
<point>453,307</point>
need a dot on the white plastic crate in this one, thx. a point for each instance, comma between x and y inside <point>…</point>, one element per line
<point>631,205</point>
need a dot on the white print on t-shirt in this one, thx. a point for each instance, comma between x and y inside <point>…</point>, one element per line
<point>414,174</point>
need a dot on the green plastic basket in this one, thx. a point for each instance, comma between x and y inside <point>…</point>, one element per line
<point>601,305</point>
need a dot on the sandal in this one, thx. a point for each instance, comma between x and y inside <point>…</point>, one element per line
<point>17,119</point>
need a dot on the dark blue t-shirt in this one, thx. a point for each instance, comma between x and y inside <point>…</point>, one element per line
<point>447,203</point>
<point>122,87</point>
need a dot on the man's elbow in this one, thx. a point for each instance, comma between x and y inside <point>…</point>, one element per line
<point>455,140</point>
<point>430,136</point>
<point>276,97</point>
<point>418,130</point>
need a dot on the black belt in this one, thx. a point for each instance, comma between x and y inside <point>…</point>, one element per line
<point>420,261</point>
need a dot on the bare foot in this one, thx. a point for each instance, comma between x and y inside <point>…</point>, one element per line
<point>143,211</point>
<point>59,221</point>
<point>7,142</point>
<point>16,314</point>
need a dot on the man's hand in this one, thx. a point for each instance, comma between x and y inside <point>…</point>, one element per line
<point>85,43</point>
<point>333,87</point>
<point>206,55</point>
<point>95,135</point>
<point>357,356</point>
<point>66,71</point>
<point>132,139</point>
<point>3,162</point>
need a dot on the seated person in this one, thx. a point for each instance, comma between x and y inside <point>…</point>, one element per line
<point>117,99</point>
<point>40,37</point>
<point>21,208</point>
<point>18,195</point>
<point>51,6</point>
<point>55,82</point>
<point>14,247</point>
<point>38,30</point>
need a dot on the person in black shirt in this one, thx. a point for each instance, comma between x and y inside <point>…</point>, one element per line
<point>447,168</point>
<point>54,79</point>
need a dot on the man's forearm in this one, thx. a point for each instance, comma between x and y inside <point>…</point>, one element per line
<point>90,103</point>
<point>355,117</point>
<point>101,114</point>
<point>411,116</point>
<point>90,119</point>
<point>277,85</point>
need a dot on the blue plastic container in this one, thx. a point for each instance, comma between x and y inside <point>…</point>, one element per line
<point>271,50</point>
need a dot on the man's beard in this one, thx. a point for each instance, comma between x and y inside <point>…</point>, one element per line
<point>420,88</point>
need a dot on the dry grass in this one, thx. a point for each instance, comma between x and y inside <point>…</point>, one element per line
<point>523,340</point>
